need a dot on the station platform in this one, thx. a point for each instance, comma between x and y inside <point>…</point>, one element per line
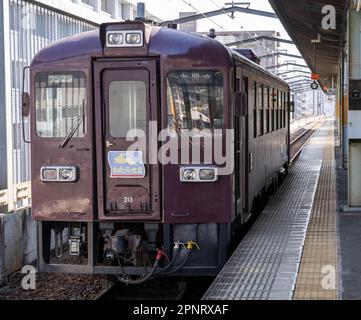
<point>293,250</point>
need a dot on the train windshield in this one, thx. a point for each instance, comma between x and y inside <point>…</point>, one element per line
<point>60,104</point>
<point>195,100</point>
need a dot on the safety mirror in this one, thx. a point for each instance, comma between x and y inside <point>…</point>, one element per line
<point>25,102</point>
<point>292,106</point>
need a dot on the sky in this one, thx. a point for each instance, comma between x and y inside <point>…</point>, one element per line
<point>169,9</point>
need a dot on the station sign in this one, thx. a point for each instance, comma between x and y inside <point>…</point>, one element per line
<point>315,76</point>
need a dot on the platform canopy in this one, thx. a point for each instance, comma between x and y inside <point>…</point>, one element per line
<point>302,19</point>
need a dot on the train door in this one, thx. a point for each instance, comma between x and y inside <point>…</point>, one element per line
<point>128,106</point>
<point>241,152</point>
<point>245,153</point>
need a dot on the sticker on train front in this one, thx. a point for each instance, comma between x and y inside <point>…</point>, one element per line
<point>126,164</point>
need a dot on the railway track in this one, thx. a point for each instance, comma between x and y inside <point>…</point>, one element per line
<point>300,140</point>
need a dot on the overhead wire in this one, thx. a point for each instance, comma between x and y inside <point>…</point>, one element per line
<point>235,18</point>
<point>194,8</point>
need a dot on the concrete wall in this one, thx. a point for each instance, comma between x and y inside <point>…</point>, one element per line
<point>18,241</point>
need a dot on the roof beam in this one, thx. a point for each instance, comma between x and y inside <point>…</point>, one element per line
<point>294,77</point>
<point>259,38</point>
<point>295,70</point>
<point>220,12</point>
<point>288,64</point>
<point>281,54</point>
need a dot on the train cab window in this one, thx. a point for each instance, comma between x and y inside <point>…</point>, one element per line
<point>195,100</point>
<point>60,103</point>
<point>260,116</point>
<point>127,107</point>
<point>266,108</point>
<point>255,109</point>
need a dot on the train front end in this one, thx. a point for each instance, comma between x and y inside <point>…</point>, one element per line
<point>130,153</point>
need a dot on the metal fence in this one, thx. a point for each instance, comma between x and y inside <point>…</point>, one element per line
<point>31,27</point>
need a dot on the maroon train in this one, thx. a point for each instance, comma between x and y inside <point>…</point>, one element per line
<point>119,213</point>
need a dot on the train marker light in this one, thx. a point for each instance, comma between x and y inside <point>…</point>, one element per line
<point>207,174</point>
<point>48,174</point>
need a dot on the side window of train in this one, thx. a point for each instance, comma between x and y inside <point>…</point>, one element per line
<point>273,109</point>
<point>280,108</point>
<point>266,109</point>
<point>254,109</point>
<point>285,110</point>
<point>195,100</point>
<point>260,118</point>
<point>270,106</point>
<point>277,109</point>
<point>60,103</point>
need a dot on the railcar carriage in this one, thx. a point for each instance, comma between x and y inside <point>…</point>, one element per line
<point>119,206</point>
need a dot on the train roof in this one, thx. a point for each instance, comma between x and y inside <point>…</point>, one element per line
<point>161,41</point>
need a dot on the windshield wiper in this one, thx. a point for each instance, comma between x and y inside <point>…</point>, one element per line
<point>174,120</point>
<point>70,134</point>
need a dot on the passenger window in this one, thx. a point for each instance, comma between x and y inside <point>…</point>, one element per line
<point>60,103</point>
<point>127,107</point>
<point>280,109</point>
<point>266,108</point>
<point>195,100</point>
<point>255,109</point>
<point>286,109</point>
<point>260,111</point>
<point>277,109</point>
<point>274,104</point>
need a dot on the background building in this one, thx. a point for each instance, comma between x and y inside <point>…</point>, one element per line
<point>260,48</point>
<point>27,26</point>
<point>189,26</point>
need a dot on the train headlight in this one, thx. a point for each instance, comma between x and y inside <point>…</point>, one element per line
<point>58,174</point>
<point>126,38</point>
<point>188,175</point>
<point>114,39</point>
<point>198,174</point>
<point>67,174</point>
<point>134,38</point>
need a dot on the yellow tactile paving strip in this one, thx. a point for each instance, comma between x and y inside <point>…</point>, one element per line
<point>317,277</point>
